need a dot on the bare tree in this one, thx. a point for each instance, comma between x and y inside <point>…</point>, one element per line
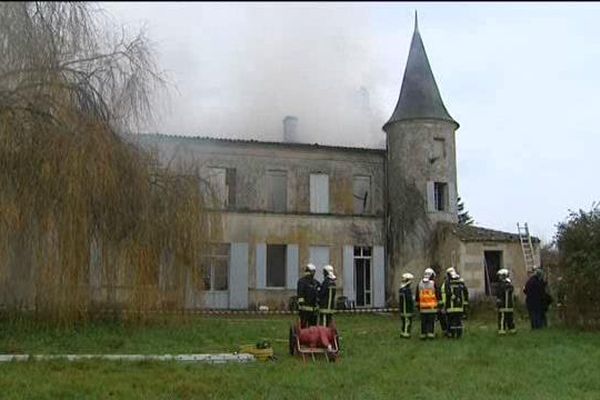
<point>83,211</point>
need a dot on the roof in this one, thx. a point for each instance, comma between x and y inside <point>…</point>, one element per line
<point>470,233</point>
<point>419,95</point>
<point>226,141</point>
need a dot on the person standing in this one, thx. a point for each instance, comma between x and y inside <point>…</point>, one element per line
<point>427,301</point>
<point>455,297</point>
<point>442,317</point>
<point>505,303</point>
<point>327,296</point>
<point>307,292</point>
<point>406,305</point>
<point>537,299</point>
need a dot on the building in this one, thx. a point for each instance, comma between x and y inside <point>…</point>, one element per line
<point>371,213</point>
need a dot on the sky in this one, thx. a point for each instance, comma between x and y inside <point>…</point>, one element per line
<point>522,80</point>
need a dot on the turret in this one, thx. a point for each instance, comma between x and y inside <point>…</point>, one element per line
<point>421,167</point>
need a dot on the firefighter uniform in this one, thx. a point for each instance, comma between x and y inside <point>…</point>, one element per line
<point>307,292</point>
<point>427,301</point>
<point>505,303</point>
<point>455,297</point>
<point>327,297</point>
<point>442,317</point>
<point>406,305</point>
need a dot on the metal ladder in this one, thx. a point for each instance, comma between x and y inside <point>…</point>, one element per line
<point>526,246</point>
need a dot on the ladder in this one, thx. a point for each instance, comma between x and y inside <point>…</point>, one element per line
<point>526,246</point>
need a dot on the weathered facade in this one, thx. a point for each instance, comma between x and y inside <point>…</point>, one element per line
<point>373,214</point>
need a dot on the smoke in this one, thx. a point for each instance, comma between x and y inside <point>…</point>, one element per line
<point>240,69</point>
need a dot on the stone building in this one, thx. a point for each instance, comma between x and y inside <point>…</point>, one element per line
<point>371,213</point>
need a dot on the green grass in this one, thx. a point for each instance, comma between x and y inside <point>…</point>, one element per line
<point>376,363</point>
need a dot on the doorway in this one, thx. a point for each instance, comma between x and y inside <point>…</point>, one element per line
<point>492,263</point>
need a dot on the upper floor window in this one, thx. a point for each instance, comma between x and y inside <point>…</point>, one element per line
<point>221,187</point>
<point>439,148</point>
<point>277,191</point>
<point>361,191</point>
<point>319,193</point>
<point>440,193</point>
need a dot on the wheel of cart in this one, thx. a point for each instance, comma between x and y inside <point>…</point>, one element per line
<point>293,339</point>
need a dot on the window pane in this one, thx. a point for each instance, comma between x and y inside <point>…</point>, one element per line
<point>276,265</point>
<point>366,251</point>
<point>357,251</point>
<point>220,274</point>
<point>361,194</point>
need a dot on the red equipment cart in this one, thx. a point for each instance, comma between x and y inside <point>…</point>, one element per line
<point>314,340</point>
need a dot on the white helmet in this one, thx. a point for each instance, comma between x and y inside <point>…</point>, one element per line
<point>429,273</point>
<point>454,275</point>
<point>310,268</point>
<point>503,272</point>
<point>328,270</point>
<point>450,270</point>
<point>407,277</point>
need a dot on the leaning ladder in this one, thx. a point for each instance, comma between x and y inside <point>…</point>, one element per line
<point>526,246</point>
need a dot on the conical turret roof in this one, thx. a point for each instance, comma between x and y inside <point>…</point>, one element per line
<point>419,95</point>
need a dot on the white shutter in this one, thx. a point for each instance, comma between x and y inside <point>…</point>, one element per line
<point>378,276</point>
<point>238,276</point>
<point>452,197</point>
<point>348,268</point>
<point>292,266</point>
<point>319,193</point>
<point>430,197</point>
<point>261,266</point>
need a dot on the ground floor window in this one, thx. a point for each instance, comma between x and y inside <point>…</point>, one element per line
<point>362,274</point>
<point>276,262</point>
<point>215,267</point>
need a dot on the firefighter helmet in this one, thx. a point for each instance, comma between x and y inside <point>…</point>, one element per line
<point>503,272</point>
<point>310,268</point>
<point>407,277</point>
<point>429,273</point>
<point>450,270</point>
<point>328,270</point>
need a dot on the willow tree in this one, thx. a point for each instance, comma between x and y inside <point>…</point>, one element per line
<point>83,212</point>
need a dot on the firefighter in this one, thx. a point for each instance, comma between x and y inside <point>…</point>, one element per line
<point>327,296</point>
<point>427,301</point>
<point>442,317</point>
<point>455,297</point>
<point>307,292</point>
<point>505,303</point>
<point>406,304</point>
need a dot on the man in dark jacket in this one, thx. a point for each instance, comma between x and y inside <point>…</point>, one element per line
<point>505,303</point>
<point>327,297</point>
<point>537,299</point>
<point>307,292</point>
<point>406,305</point>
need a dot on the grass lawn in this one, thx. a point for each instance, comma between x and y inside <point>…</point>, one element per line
<point>376,363</point>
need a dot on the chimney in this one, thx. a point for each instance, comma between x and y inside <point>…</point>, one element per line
<point>290,129</point>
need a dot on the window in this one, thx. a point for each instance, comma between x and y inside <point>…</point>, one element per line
<point>215,267</point>
<point>221,187</point>
<point>277,191</point>
<point>440,192</point>
<point>361,188</point>
<point>319,193</point>
<point>276,262</point>
<point>439,148</point>
<point>362,274</point>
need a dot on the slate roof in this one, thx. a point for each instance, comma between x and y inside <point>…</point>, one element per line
<point>252,142</point>
<point>470,233</point>
<point>419,95</point>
